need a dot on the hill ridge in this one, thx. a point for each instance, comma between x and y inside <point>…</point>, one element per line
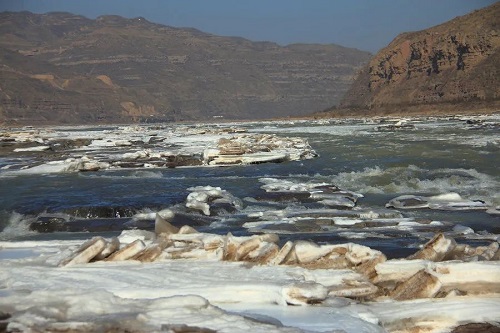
<point>453,63</point>
<point>57,68</point>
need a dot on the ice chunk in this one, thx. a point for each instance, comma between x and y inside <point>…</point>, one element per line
<point>162,222</point>
<point>446,201</point>
<point>436,249</point>
<point>304,293</point>
<point>421,285</point>
<point>128,251</point>
<point>86,252</point>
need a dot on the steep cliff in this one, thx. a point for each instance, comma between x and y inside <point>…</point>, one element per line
<point>60,67</point>
<point>455,62</point>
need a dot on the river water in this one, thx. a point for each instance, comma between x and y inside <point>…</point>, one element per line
<point>437,156</point>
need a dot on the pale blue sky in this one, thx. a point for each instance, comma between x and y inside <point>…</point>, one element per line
<point>364,24</point>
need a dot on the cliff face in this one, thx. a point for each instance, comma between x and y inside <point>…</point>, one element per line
<point>454,62</point>
<point>60,67</point>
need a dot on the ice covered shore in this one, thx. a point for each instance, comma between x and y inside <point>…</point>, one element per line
<point>181,280</point>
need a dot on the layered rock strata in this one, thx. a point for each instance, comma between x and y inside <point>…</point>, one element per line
<point>453,63</point>
<point>63,68</point>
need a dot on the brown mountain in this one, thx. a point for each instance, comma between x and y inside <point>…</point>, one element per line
<point>63,68</point>
<point>449,66</point>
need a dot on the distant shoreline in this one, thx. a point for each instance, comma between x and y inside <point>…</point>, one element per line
<point>434,110</point>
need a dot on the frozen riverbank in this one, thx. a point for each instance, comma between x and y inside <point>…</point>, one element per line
<point>368,295</point>
<point>330,243</point>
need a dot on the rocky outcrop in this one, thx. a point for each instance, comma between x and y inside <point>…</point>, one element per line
<point>456,62</point>
<point>63,68</point>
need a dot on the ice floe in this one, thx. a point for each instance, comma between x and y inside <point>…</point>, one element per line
<point>147,147</point>
<point>447,201</point>
<point>147,280</point>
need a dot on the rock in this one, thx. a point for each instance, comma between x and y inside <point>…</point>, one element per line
<point>162,222</point>
<point>436,249</point>
<point>420,285</point>
<point>409,73</point>
<point>304,293</point>
<point>127,252</point>
<point>86,252</point>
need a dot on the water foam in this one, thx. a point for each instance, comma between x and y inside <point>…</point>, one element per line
<point>16,225</point>
<point>412,179</point>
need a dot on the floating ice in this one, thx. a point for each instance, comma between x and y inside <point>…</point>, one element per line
<point>447,201</point>
<point>151,147</point>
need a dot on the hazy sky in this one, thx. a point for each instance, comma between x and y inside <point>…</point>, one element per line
<point>364,24</point>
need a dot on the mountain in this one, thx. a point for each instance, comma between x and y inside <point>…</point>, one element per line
<point>64,68</point>
<point>455,65</point>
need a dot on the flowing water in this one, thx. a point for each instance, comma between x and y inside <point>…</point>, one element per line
<point>437,156</point>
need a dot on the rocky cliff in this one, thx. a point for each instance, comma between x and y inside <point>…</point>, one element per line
<point>454,63</point>
<point>63,68</point>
